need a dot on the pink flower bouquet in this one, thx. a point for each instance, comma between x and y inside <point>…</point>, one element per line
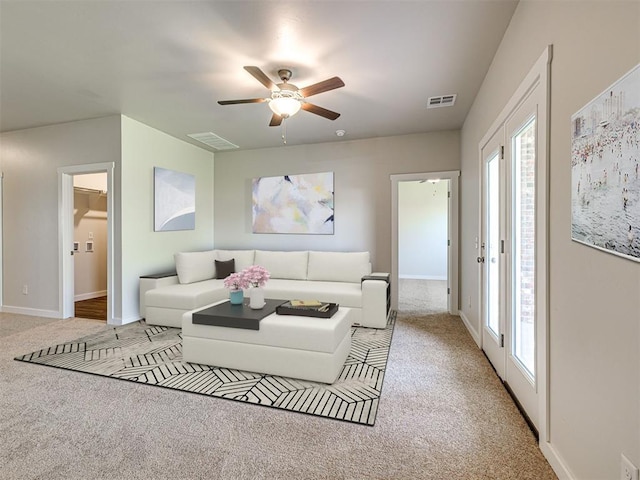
<point>256,275</point>
<point>236,281</point>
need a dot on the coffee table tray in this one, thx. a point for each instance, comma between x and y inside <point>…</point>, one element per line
<point>287,309</point>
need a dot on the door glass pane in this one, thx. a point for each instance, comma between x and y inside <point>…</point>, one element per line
<point>524,221</point>
<point>492,253</point>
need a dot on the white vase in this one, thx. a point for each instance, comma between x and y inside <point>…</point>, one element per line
<point>256,298</point>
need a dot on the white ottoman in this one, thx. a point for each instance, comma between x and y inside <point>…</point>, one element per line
<point>286,345</point>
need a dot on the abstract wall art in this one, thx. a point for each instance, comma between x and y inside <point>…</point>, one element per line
<point>605,170</point>
<point>294,204</point>
<point>174,200</point>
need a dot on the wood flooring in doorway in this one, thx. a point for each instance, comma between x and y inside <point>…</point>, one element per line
<point>94,308</point>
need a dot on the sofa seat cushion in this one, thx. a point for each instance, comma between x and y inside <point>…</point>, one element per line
<point>187,296</point>
<point>345,294</point>
<point>285,331</point>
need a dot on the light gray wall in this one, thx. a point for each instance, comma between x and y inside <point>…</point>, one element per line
<point>143,250</point>
<point>362,171</point>
<point>422,230</point>
<point>30,159</point>
<point>594,297</point>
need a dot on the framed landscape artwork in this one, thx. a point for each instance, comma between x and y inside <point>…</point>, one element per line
<point>174,200</point>
<point>605,170</point>
<point>294,204</point>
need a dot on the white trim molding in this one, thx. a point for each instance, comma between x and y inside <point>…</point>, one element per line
<point>65,235</point>
<point>452,260</point>
<point>539,77</point>
<point>34,312</point>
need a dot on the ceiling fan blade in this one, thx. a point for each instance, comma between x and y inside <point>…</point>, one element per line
<point>276,120</point>
<point>262,77</point>
<point>246,100</point>
<point>323,112</point>
<point>325,86</point>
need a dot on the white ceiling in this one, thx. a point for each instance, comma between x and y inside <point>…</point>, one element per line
<point>167,63</point>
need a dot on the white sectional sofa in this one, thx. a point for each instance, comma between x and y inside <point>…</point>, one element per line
<point>340,277</point>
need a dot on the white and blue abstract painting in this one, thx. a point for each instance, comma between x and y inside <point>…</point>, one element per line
<point>175,200</point>
<point>294,204</point>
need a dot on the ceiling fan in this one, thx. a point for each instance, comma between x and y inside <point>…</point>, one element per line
<point>286,99</point>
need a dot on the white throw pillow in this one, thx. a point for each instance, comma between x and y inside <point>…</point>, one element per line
<point>195,266</point>
<point>287,265</point>
<point>243,258</point>
<point>338,266</point>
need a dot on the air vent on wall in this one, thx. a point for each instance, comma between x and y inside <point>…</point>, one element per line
<point>213,140</point>
<point>442,101</point>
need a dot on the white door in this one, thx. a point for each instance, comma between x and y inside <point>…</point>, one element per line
<point>520,319</point>
<point>491,258</point>
<point>508,254</point>
<point>512,252</point>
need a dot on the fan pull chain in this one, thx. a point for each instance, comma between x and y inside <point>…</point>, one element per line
<point>284,131</point>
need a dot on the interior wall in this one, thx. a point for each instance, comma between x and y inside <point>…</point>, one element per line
<point>143,250</point>
<point>422,230</point>
<point>30,159</point>
<point>362,203</point>
<point>594,307</point>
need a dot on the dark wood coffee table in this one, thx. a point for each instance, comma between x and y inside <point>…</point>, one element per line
<point>235,316</point>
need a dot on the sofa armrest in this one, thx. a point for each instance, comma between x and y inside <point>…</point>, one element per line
<point>376,300</point>
<point>377,276</point>
<point>149,282</point>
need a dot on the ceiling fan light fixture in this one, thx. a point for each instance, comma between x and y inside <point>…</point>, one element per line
<point>285,104</point>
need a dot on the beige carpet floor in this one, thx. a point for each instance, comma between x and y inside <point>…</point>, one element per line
<point>443,414</point>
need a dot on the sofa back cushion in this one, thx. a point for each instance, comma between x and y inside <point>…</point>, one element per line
<point>195,266</point>
<point>243,258</point>
<point>338,266</point>
<point>285,265</point>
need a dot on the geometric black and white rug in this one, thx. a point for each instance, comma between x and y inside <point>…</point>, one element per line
<point>151,354</point>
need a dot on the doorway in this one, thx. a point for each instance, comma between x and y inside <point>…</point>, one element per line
<point>513,248</point>
<point>449,182</point>
<point>94,200</point>
<point>90,245</point>
<point>423,213</point>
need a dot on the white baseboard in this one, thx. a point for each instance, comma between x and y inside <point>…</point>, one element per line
<point>467,323</point>
<point>124,321</point>
<point>422,277</point>
<point>34,312</point>
<point>90,295</point>
<point>555,460</point>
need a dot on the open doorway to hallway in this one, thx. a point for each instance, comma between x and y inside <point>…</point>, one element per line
<point>71,241</point>
<point>423,228</point>
<point>448,181</point>
<point>90,219</point>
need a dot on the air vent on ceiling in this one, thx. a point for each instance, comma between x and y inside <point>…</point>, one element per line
<point>213,140</point>
<point>442,101</point>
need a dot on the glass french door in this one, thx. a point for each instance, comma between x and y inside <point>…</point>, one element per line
<point>508,254</point>
<point>490,257</point>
